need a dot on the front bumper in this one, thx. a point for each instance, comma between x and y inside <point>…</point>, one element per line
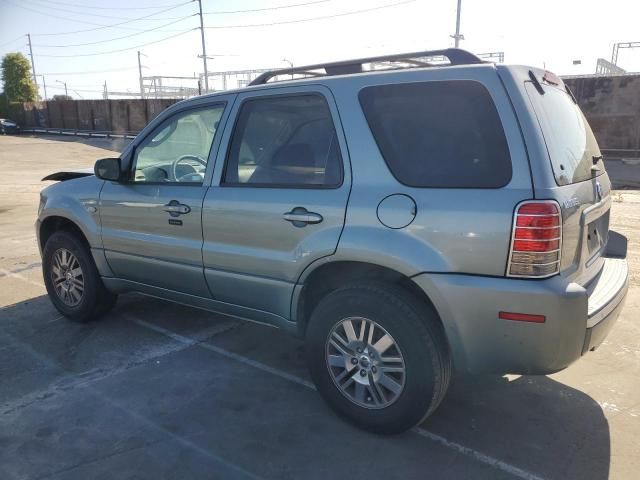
<point>578,318</point>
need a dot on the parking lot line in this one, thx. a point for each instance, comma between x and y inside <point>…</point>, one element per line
<point>9,273</point>
<point>469,452</point>
<point>188,342</point>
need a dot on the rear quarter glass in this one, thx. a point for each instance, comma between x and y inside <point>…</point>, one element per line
<point>439,134</point>
<point>570,142</point>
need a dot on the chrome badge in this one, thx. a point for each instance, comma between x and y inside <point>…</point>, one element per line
<point>571,202</point>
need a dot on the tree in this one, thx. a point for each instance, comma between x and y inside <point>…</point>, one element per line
<point>59,98</point>
<point>16,75</point>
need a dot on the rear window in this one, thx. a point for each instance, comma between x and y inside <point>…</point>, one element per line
<point>439,134</point>
<point>569,138</point>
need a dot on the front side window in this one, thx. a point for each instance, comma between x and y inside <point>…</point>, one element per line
<point>439,134</point>
<point>284,141</point>
<point>178,150</point>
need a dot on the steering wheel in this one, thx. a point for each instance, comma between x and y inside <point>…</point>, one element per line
<point>174,165</point>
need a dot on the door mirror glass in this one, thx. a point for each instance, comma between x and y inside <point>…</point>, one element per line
<point>108,169</point>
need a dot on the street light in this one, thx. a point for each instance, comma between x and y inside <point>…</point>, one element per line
<point>290,65</point>
<point>66,94</point>
<point>458,36</point>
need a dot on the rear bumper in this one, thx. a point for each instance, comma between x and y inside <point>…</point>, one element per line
<point>577,318</point>
<point>607,294</point>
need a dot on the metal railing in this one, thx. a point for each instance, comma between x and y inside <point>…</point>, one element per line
<point>80,133</point>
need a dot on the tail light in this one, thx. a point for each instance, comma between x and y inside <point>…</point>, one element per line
<point>536,240</point>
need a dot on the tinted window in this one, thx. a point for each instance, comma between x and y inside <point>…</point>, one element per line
<point>178,150</point>
<point>439,134</point>
<point>569,138</point>
<point>289,141</point>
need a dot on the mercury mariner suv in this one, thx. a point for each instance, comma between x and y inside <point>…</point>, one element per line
<point>403,215</point>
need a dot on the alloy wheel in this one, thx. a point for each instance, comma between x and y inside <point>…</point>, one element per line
<point>365,362</point>
<point>67,277</point>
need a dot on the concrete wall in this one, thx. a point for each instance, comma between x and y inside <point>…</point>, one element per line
<point>96,115</point>
<point>612,106</point>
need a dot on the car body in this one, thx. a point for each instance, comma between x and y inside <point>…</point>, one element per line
<point>443,188</point>
<point>8,126</point>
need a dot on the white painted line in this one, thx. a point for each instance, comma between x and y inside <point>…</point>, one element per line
<point>186,341</point>
<point>479,456</point>
<point>8,273</point>
<point>467,451</point>
<point>225,353</point>
<point>22,269</point>
<point>68,382</point>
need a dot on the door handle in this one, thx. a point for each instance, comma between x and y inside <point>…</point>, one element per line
<point>175,208</point>
<point>300,217</point>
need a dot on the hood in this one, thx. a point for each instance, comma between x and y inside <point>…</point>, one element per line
<point>69,174</point>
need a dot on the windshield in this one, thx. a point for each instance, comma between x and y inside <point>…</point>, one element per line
<point>570,141</point>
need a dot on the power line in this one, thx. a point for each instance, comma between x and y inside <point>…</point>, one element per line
<point>11,41</point>
<point>122,49</point>
<point>313,19</point>
<point>100,26</point>
<point>90,72</point>
<point>82,13</point>
<point>281,7</point>
<point>76,90</point>
<point>117,38</point>
<point>103,8</point>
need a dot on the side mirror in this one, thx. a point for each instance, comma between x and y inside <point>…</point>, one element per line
<point>108,169</point>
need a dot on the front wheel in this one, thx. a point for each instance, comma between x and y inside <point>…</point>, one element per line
<point>72,279</point>
<point>378,356</point>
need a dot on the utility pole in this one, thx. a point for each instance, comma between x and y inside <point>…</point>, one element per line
<point>106,93</point>
<point>457,37</point>
<point>66,94</point>
<point>33,65</point>
<point>44,84</point>
<point>204,50</point>
<point>140,76</point>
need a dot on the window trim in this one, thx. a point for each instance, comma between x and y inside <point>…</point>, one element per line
<point>163,123</point>
<point>286,186</point>
<point>465,80</point>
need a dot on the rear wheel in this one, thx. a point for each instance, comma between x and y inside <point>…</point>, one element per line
<point>378,356</point>
<point>72,279</point>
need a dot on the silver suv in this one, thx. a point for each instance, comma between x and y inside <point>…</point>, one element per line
<point>403,216</point>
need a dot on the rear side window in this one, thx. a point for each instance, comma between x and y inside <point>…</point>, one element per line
<point>439,134</point>
<point>285,141</point>
<point>570,141</point>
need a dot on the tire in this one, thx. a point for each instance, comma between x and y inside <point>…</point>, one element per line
<point>82,303</point>
<point>418,359</point>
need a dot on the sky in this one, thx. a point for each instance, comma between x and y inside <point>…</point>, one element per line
<point>87,43</point>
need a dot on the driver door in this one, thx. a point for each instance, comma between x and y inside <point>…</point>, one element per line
<point>152,223</point>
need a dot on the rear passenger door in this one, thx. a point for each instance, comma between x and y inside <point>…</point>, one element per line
<point>278,202</point>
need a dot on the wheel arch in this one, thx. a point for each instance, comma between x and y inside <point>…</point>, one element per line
<point>330,276</point>
<point>54,223</point>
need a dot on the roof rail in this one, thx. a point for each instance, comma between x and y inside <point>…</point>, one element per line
<point>456,56</point>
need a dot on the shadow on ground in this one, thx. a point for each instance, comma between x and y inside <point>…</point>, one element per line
<point>118,399</point>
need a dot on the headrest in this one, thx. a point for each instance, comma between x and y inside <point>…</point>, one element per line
<point>294,155</point>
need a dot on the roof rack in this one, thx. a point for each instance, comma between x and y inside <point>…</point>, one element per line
<point>456,56</point>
